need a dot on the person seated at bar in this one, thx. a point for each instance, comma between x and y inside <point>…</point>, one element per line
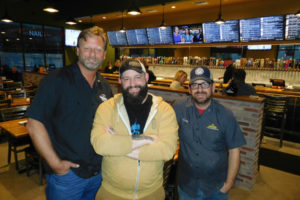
<point>180,78</point>
<point>110,68</point>
<point>238,86</point>
<point>117,66</point>
<point>15,75</point>
<point>152,77</point>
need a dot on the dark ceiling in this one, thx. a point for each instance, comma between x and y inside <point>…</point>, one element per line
<point>30,11</point>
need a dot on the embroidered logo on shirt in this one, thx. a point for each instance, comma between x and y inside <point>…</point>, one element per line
<point>102,97</point>
<point>212,127</point>
<point>185,120</point>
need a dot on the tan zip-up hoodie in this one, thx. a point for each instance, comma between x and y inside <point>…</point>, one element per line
<point>124,176</point>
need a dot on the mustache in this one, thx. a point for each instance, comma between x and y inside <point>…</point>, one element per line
<point>200,93</point>
<point>132,87</point>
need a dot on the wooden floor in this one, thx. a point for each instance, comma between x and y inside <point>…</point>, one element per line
<point>271,183</point>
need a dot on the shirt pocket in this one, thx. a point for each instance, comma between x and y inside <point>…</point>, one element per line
<point>213,140</point>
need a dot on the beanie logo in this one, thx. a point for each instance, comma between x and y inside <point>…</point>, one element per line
<point>199,71</point>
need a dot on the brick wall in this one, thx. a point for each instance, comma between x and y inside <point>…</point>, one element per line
<point>249,115</point>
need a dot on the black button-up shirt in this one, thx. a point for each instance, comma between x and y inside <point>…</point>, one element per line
<point>66,104</point>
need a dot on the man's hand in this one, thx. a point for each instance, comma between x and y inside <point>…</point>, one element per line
<point>110,130</point>
<point>226,187</point>
<point>134,154</point>
<point>64,167</point>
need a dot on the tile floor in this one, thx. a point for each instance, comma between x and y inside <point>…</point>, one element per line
<point>271,183</point>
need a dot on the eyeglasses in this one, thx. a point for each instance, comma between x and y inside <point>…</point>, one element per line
<point>203,85</point>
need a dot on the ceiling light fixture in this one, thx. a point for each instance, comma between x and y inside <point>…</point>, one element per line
<point>5,17</point>
<point>163,23</point>
<point>122,30</point>
<point>50,8</point>
<point>71,21</point>
<point>220,20</point>
<point>298,14</point>
<point>133,9</point>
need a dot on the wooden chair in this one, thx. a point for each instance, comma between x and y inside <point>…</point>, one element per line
<point>33,162</point>
<point>5,103</point>
<point>15,145</point>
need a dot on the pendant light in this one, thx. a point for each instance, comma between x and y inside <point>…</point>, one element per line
<point>122,30</point>
<point>133,9</point>
<point>71,21</point>
<point>50,8</point>
<point>220,20</point>
<point>5,17</point>
<point>163,23</point>
<point>298,14</point>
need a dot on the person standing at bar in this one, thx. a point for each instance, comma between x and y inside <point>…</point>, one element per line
<point>60,120</point>
<point>228,63</point>
<point>210,138</point>
<point>238,86</point>
<point>135,132</point>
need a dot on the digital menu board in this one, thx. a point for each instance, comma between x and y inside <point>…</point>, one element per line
<point>159,35</point>
<point>117,38</point>
<point>262,28</point>
<point>260,47</point>
<point>292,27</point>
<point>226,32</point>
<point>186,34</point>
<point>137,36</point>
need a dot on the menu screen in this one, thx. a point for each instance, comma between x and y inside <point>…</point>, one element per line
<point>292,27</point>
<point>71,37</point>
<point>137,37</point>
<point>117,38</point>
<point>186,34</point>
<point>262,28</point>
<point>226,32</point>
<point>159,35</point>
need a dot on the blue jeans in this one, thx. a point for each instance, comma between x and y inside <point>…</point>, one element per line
<point>218,195</point>
<point>72,187</point>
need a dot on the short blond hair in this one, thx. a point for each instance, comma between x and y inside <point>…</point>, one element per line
<point>93,31</point>
<point>179,74</point>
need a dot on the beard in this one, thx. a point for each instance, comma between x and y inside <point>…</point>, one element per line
<point>204,101</point>
<point>90,63</point>
<point>135,99</point>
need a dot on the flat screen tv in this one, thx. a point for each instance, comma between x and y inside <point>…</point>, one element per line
<point>260,47</point>
<point>137,36</point>
<point>187,34</point>
<point>157,35</point>
<point>262,28</point>
<point>71,36</point>
<point>292,27</point>
<point>117,38</point>
<point>226,32</point>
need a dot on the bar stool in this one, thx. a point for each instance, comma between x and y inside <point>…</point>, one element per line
<point>275,114</point>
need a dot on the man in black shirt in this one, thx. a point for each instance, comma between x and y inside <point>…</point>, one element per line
<point>61,118</point>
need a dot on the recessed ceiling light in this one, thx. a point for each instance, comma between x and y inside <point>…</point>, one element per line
<point>103,17</point>
<point>79,20</point>
<point>173,7</point>
<point>3,32</point>
<point>201,3</point>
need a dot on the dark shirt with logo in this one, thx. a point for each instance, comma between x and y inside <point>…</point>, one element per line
<point>66,104</point>
<point>138,115</point>
<point>204,143</point>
